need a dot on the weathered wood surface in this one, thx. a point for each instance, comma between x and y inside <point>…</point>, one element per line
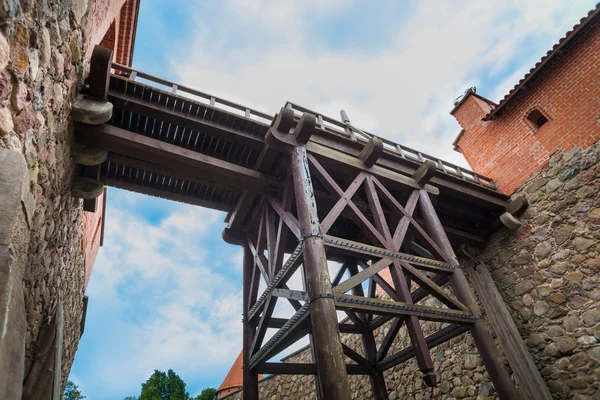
<point>521,362</point>
<point>325,330</point>
<point>171,156</point>
<point>479,330</point>
<point>371,152</point>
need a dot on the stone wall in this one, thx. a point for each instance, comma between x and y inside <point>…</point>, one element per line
<point>42,62</point>
<point>548,273</point>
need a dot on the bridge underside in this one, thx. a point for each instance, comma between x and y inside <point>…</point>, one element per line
<point>301,189</point>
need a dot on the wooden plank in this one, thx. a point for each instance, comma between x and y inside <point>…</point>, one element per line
<point>183,120</point>
<point>150,167</point>
<point>335,156</point>
<point>388,340</point>
<point>433,340</point>
<point>436,291</point>
<point>58,350</point>
<point>291,294</point>
<point>305,369</point>
<point>362,276</point>
<point>361,250</point>
<point>391,200</point>
<point>171,156</point>
<point>345,198</point>
<point>521,362</point>
<point>368,341</point>
<point>358,217</point>
<point>165,194</point>
<point>386,307</point>
<point>354,356</point>
<point>480,331</point>
<point>287,217</point>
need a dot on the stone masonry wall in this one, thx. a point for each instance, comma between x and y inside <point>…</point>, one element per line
<point>42,62</point>
<point>548,273</point>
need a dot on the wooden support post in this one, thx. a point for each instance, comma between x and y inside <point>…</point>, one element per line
<point>479,330</point>
<point>328,348</point>
<point>368,340</point>
<point>530,381</point>
<point>250,378</point>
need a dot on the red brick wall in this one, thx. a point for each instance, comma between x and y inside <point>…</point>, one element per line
<point>567,91</point>
<point>102,15</point>
<point>92,236</point>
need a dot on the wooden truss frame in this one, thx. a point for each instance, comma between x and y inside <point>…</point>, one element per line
<point>417,272</point>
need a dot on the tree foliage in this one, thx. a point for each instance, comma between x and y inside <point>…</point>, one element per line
<point>164,386</point>
<point>207,394</point>
<point>72,392</point>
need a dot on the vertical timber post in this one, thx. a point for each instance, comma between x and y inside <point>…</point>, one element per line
<point>368,339</point>
<point>331,367</point>
<point>479,330</point>
<point>250,379</point>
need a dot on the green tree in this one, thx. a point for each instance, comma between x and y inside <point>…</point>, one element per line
<point>164,386</point>
<point>72,392</point>
<point>207,394</point>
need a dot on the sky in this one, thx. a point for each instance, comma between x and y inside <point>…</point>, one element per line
<point>165,291</point>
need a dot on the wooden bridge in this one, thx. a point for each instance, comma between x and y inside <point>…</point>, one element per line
<point>304,184</point>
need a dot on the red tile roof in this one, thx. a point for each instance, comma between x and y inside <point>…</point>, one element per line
<point>235,379</point>
<point>556,49</point>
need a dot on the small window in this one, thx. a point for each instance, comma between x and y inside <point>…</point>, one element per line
<point>537,119</point>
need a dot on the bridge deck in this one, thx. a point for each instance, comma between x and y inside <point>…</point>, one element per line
<point>185,145</point>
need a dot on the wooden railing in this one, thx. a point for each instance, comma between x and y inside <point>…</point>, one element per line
<point>324,123</point>
<point>329,124</point>
<point>212,101</point>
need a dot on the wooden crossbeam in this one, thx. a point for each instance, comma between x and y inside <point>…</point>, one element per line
<point>295,328</point>
<point>361,250</point>
<point>353,355</point>
<point>183,119</point>
<point>171,156</point>
<point>435,339</point>
<point>306,369</point>
<point>348,162</point>
<point>280,279</point>
<point>397,309</point>
<point>362,276</point>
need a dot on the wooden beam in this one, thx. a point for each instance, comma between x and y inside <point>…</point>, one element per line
<point>433,340</point>
<point>277,138</point>
<point>425,172</point>
<point>305,128</point>
<point>291,294</point>
<point>305,369</point>
<point>138,146</point>
<point>481,334</point>
<point>328,350</point>
<point>165,194</point>
<point>521,362</point>
<point>362,276</point>
<point>183,119</point>
<point>396,309</point>
<point>371,152</point>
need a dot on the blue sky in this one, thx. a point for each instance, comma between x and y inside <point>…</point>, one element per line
<point>166,290</point>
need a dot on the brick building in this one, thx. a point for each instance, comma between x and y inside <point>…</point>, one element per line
<point>555,106</point>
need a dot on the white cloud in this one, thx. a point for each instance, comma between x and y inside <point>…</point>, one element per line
<point>171,301</point>
<point>403,92</point>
